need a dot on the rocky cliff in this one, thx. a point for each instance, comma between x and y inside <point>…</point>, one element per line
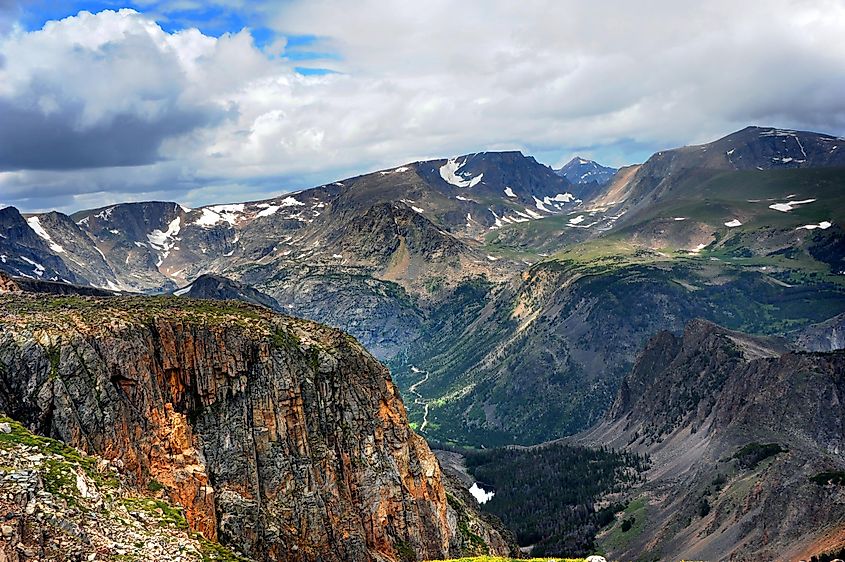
<point>745,441</point>
<point>281,438</point>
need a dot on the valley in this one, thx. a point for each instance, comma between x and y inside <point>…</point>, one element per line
<point>418,398</point>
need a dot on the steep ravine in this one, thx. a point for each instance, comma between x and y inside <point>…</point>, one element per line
<point>281,438</point>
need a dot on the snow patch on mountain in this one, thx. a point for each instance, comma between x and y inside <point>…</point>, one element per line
<point>35,224</point>
<point>559,198</point>
<point>269,210</point>
<point>291,202</point>
<point>398,170</point>
<point>105,214</point>
<point>540,205</point>
<point>220,213</point>
<point>480,494</point>
<point>164,241</point>
<point>449,173</point>
<point>789,205</point>
<point>410,203</point>
<point>824,225</point>
<point>183,291</point>
<point>38,269</point>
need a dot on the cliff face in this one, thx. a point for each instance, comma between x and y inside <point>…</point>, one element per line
<point>739,432</point>
<point>280,437</point>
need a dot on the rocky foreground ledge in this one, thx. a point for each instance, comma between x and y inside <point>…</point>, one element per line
<point>279,438</point>
<point>61,504</point>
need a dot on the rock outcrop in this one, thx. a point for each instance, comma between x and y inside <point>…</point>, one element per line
<point>281,438</point>
<point>824,336</point>
<point>60,504</point>
<point>218,287</point>
<point>741,434</point>
<point>10,284</point>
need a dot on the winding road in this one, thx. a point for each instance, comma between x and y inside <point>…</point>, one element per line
<point>418,398</point>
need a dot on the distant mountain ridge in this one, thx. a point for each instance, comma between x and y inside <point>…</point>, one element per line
<point>582,171</point>
<point>752,148</point>
<point>135,246</point>
<point>447,207</point>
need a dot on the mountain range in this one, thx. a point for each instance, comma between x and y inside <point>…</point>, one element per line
<point>582,171</point>
<point>524,296</point>
<point>642,308</point>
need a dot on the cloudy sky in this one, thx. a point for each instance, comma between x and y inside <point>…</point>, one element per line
<point>229,100</point>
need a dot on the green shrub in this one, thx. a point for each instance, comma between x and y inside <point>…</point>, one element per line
<point>752,454</point>
<point>836,477</point>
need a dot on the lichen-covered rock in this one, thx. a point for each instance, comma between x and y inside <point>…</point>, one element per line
<point>281,438</point>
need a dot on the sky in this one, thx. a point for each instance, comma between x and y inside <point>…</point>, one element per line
<point>232,100</point>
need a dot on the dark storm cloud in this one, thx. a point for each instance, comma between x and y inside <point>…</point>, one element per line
<point>33,140</point>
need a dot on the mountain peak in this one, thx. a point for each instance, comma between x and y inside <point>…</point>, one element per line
<point>580,170</point>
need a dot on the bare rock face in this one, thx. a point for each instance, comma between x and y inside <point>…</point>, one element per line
<point>281,438</point>
<point>824,336</point>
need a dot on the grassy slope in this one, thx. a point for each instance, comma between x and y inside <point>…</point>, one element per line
<point>719,198</point>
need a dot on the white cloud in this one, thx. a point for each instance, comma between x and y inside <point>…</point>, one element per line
<point>197,116</point>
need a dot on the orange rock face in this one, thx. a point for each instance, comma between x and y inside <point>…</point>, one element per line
<point>281,438</point>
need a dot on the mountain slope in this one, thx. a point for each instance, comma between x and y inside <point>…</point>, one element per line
<point>543,357</point>
<point>25,253</point>
<point>734,468</point>
<point>225,405</point>
<point>752,148</point>
<point>825,336</point>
